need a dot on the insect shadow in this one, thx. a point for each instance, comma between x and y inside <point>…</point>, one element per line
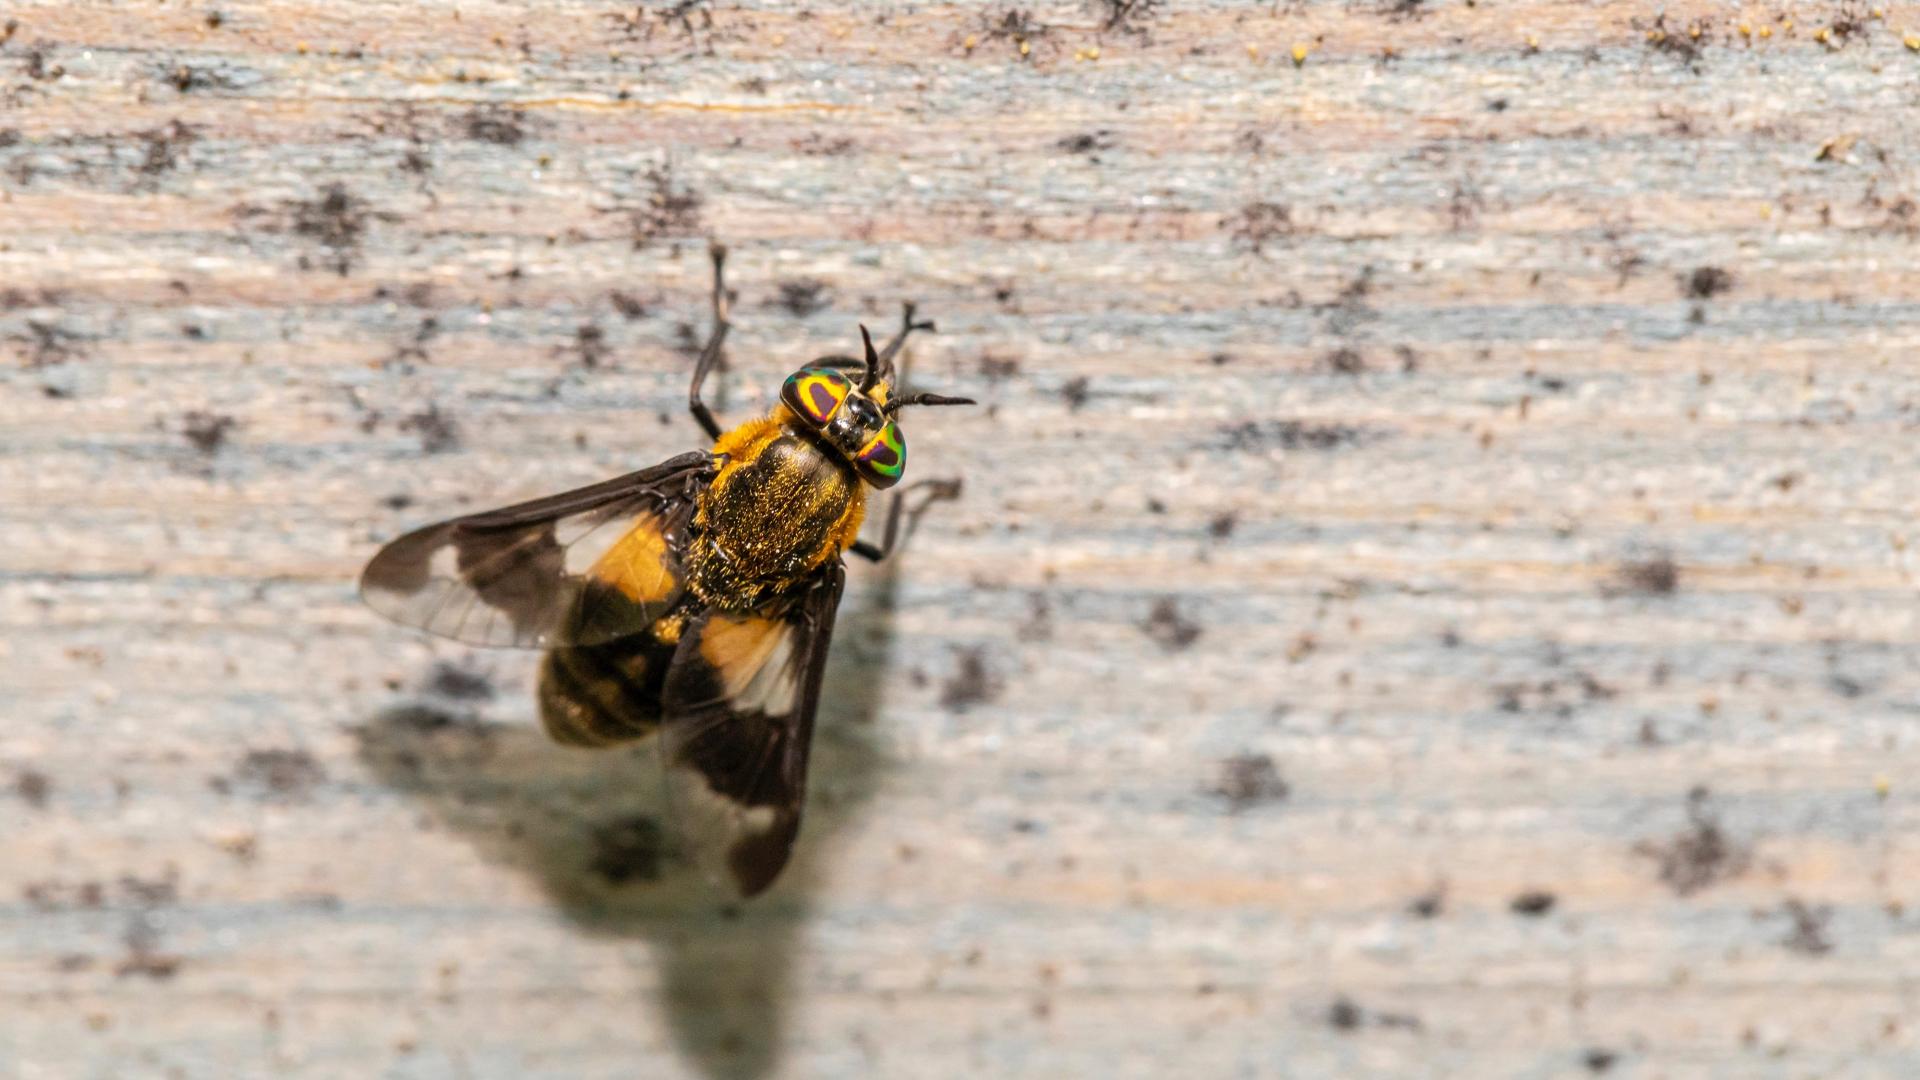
<point>593,829</point>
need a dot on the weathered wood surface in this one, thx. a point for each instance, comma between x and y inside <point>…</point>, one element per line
<point>1433,595</point>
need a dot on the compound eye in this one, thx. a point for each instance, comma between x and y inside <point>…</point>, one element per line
<point>816,393</point>
<point>884,459</point>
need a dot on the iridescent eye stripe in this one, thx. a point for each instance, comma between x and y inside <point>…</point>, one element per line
<point>886,453</point>
<point>817,392</point>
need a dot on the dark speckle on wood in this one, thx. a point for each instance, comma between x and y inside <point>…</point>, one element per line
<point>1250,780</point>
<point>1169,628</point>
<point>280,774</point>
<point>1700,855</point>
<point>1658,576</point>
<point>207,431</point>
<point>34,787</point>
<point>973,682</point>
<point>1533,903</point>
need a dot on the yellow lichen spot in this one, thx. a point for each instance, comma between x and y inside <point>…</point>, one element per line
<point>1882,786</point>
<point>1299,55</point>
<point>1878,13</point>
<point>972,41</point>
<point>1766,213</point>
<point>1694,31</point>
<point>1766,31</point>
<point>1533,43</point>
<point>1093,53</point>
<point>781,39</point>
<point>1822,35</point>
<point>1253,51</point>
<point>301,48</point>
<point>1912,42</point>
<point>1026,48</point>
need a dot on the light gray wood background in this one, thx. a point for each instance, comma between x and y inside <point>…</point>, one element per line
<point>1433,594</point>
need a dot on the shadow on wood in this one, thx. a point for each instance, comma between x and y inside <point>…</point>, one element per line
<point>595,830</point>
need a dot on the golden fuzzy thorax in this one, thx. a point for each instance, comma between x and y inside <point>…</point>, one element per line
<point>781,505</point>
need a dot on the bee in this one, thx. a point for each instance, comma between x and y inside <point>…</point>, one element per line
<point>692,601</point>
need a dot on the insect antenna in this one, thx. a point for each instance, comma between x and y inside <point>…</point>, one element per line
<point>894,405</point>
<point>872,362</point>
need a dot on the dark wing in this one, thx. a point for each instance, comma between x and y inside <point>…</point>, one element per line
<point>739,700</point>
<point>581,568</point>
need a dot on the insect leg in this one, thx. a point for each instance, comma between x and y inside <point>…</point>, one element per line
<point>710,356</point>
<point>907,326</point>
<point>935,491</point>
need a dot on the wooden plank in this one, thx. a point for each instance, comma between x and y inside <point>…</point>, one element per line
<point>1432,597</point>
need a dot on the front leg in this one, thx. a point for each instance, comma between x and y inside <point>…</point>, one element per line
<point>710,355</point>
<point>935,491</point>
<point>907,326</point>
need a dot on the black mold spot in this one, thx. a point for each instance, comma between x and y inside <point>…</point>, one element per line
<point>997,368</point>
<point>1168,628</point>
<point>46,344</point>
<point>33,787</point>
<point>628,305</point>
<point>1076,392</point>
<point>972,683</point>
<point>1599,1059</point>
<point>670,209</point>
<point>1403,10</point>
<point>1125,16</point>
<point>144,957</point>
<point>590,345</point>
<point>437,430</point>
<point>1254,435</point>
<point>1248,780</point>
<point>207,432</point>
<point>1809,933</point>
<point>1088,143</point>
<point>60,896</point>
<point>1658,576</point>
<point>1258,224</point>
<point>37,67</point>
<point>164,147</point>
<point>282,774</point>
<point>628,849</point>
<point>1429,904</point>
<point>459,684</point>
<point>493,124</point>
<point>1345,360</point>
<point>1699,855</point>
<point>802,296</point>
<point>1017,26</point>
<point>336,219</point>
<point>152,892</point>
<point>1533,903</point>
<point>1705,283</point>
<point>1344,1015</point>
<point>1222,525</point>
<point>1039,624</point>
<point>1685,45</point>
<point>818,145</point>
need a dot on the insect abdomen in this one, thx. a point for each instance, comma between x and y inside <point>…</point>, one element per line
<point>598,695</point>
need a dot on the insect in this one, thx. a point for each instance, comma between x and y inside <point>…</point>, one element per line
<point>692,601</point>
